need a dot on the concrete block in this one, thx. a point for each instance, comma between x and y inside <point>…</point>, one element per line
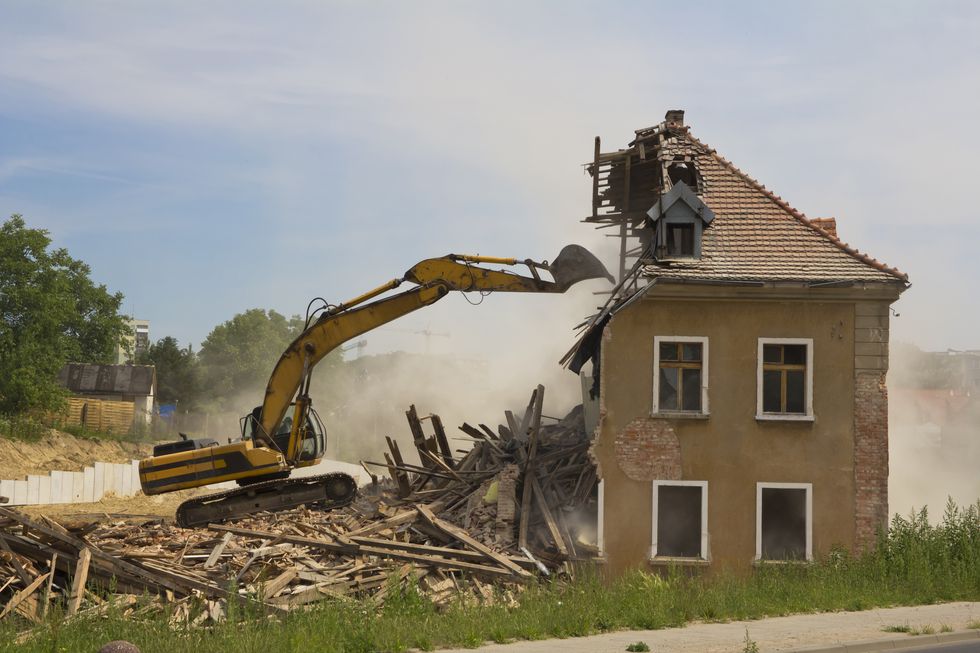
<point>20,493</point>
<point>44,490</point>
<point>7,490</point>
<point>33,488</point>
<point>67,487</point>
<point>126,472</point>
<point>100,481</point>
<point>54,484</point>
<point>77,487</point>
<point>137,488</point>
<point>88,485</point>
<point>118,475</point>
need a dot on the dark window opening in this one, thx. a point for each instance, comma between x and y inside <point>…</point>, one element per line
<point>784,378</point>
<point>679,521</point>
<point>680,376</point>
<point>680,239</point>
<point>683,171</point>
<point>783,524</point>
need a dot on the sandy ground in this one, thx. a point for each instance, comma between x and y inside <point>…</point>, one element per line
<point>775,634</point>
<point>62,451</point>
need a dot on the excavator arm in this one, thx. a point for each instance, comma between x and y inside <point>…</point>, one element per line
<point>433,278</point>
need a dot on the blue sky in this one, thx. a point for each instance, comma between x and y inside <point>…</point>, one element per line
<point>206,158</point>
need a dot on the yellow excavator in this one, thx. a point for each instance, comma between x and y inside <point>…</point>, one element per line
<point>285,433</point>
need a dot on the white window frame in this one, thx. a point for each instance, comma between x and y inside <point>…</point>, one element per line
<point>600,517</point>
<point>705,549</point>
<point>704,374</point>
<point>758,515</point>
<point>793,417</point>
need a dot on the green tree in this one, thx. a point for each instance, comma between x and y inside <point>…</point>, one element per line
<point>51,313</point>
<point>178,376</point>
<point>238,356</point>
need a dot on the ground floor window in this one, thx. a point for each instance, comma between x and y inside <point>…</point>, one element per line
<point>680,519</point>
<point>784,521</point>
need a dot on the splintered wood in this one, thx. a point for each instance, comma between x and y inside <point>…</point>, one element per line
<point>478,526</point>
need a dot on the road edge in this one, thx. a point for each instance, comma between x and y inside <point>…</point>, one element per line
<point>870,646</point>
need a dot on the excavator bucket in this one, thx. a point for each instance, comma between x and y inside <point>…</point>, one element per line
<point>575,263</point>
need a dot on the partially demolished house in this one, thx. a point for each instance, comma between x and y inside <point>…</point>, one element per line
<point>739,366</point>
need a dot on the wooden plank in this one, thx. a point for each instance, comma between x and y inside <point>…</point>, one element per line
<point>79,580</point>
<point>464,537</point>
<point>218,550</point>
<point>18,568</point>
<point>46,600</point>
<point>542,503</point>
<point>273,587</point>
<point>443,441</point>
<point>415,426</point>
<point>464,554</point>
<point>446,563</point>
<point>313,543</point>
<point>528,472</point>
<point>23,595</point>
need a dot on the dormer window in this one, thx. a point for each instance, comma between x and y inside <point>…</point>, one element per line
<point>679,218</point>
<point>680,240</point>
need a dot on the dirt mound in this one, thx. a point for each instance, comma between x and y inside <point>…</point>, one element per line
<point>62,451</point>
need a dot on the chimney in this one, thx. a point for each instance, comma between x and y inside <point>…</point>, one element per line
<point>675,118</point>
<point>827,224</point>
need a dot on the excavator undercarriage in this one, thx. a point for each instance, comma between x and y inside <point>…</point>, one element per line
<point>326,491</point>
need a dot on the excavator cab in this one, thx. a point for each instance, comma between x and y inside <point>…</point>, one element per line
<point>313,435</point>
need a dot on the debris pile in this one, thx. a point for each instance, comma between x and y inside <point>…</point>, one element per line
<point>480,526</point>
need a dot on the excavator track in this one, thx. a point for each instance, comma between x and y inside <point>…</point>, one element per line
<point>328,491</point>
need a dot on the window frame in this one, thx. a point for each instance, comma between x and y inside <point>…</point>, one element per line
<point>808,383</point>
<point>762,485</point>
<point>704,412</point>
<point>705,553</point>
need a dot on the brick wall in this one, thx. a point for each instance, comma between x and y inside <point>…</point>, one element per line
<point>870,457</point>
<point>648,449</point>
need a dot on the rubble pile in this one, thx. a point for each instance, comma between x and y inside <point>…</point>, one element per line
<point>480,526</point>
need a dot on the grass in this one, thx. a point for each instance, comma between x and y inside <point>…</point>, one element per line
<point>914,564</point>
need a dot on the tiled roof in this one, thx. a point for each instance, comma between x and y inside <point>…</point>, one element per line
<point>756,235</point>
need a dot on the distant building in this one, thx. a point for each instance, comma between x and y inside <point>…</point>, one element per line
<point>109,397</point>
<point>964,367</point>
<point>135,342</point>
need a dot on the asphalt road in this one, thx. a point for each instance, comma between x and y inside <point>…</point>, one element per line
<point>954,647</point>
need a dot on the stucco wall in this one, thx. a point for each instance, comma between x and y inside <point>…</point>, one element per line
<point>731,449</point>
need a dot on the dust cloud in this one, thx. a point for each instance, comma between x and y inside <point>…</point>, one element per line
<point>498,353</point>
<point>934,430</point>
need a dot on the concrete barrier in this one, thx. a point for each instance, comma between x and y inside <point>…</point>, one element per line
<point>86,486</point>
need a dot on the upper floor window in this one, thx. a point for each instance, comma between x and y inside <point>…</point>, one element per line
<point>680,240</point>
<point>680,381</point>
<point>785,378</point>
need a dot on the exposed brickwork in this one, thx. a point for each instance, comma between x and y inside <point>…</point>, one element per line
<point>648,449</point>
<point>506,504</point>
<point>870,457</point>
